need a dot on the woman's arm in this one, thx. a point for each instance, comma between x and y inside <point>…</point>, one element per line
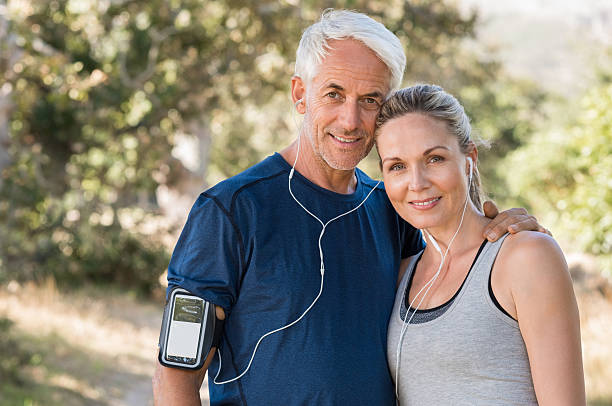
<point>531,269</point>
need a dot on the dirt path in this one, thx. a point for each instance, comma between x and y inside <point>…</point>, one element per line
<point>94,348</point>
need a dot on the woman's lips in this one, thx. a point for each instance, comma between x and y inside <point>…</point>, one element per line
<point>424,204</point>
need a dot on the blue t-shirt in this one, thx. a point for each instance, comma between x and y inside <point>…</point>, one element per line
<point>251,249</point>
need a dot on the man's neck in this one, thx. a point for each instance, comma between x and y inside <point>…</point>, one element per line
<point>318,171</point>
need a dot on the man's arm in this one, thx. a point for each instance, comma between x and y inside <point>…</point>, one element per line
<point>511,221</point>
<point>173,386</point>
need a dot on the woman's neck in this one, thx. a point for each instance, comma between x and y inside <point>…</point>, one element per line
<point>469,233</point>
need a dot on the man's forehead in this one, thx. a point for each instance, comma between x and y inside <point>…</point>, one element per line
<point>349,64</point>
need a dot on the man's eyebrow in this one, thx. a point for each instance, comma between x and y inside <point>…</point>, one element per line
<point>376,94</point>
<point>334,86</point>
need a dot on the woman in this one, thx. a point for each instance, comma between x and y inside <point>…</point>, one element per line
<point>474,322</point>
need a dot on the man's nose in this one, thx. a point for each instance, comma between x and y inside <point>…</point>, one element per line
<point>349,115</point>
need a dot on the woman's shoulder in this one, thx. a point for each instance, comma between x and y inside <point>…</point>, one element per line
<point>531,257</point>
<point>530,243</point>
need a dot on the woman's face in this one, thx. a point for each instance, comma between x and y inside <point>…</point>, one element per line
<point>424,170</point>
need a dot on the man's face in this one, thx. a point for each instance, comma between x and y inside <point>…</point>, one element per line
<point>342,102</point>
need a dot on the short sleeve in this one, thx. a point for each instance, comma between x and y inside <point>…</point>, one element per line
<point>207,259</point>
<point>412,239</point>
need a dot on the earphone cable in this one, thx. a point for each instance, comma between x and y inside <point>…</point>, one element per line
<point>322,266</point>
<point>429,284</point>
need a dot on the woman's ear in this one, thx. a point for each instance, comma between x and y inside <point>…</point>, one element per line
<point>472,153</point>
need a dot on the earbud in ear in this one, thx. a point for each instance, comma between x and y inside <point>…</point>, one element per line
<point>298,102</point>
<point>471,167</point>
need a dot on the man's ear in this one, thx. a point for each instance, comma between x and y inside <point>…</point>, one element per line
<point>298,93</point>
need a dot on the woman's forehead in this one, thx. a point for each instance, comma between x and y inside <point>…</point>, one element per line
<point>416,132</point>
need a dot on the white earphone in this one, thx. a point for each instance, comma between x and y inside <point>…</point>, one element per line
<point>471,168</point>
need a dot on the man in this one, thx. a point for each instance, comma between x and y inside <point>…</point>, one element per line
<point>303,262</point>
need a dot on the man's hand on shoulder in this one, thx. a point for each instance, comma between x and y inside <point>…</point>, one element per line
<point>511,221</point>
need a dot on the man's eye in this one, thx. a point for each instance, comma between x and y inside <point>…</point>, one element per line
<point>333,95</point>
<point>370,103</point>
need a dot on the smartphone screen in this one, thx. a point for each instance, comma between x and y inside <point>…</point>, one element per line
<point>185,326</point>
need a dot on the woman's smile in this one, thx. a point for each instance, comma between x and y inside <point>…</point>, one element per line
<point>425,204</point>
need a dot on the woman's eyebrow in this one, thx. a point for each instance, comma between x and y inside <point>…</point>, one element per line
<point>428,150</point>
<point>391,158</point>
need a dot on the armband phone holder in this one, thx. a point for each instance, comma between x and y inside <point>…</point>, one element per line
<point>189,330</point>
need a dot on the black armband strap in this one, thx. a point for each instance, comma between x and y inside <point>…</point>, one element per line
<point>190,328</point>
<point>218,332</point>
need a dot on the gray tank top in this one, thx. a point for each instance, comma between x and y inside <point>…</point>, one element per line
<point>472,354</point>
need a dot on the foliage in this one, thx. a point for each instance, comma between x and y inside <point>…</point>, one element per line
<point>13,357</point>
<point>567,174</point>
<point>103,92</point>
<point>100,93</point>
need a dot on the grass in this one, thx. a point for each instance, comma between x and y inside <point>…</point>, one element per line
<point>39,377</point>
<point>98,346</point>
<point>87,348</point>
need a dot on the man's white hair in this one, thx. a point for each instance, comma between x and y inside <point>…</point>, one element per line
<point>344,24</point>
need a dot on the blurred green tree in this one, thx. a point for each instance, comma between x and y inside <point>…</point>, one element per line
<point>101,94</point>
<point>566,174</point>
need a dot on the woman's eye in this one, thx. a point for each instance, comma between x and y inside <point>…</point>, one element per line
<point>396,167</point>
<point>435,159</point>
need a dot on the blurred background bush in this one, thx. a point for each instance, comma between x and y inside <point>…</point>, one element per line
<point>115,114</point>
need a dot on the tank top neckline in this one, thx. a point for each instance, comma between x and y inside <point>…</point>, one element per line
<point>406,300</point>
